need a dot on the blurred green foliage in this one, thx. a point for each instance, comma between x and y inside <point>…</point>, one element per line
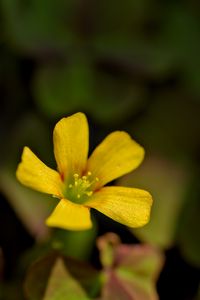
<point>61,276</point>
<point>60,284</point>
<point>58,277</point>
<point>99,57</point>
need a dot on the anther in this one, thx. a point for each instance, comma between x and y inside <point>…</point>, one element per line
<point>89,193</point>
<point>81,186</point>
<point>97,179</point>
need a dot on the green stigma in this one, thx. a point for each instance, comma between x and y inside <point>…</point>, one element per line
<point>80,188</point>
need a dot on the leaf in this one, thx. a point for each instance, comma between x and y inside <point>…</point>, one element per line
<point>116,97</point>
<point>37,277</point>
<point>50,34</point>
<point>62,285</point>
<point>62,89</point>
<point>138,270</point>
<point>133,272</point>
<point>36,281</point>
<point>113,289</point>
<point>87,276</point>
<point>119,287</point>
<point>167,182</point>
<point>143,260</point>
<point>135,276</point>
<point>107,245</point>
<point>180,34</point>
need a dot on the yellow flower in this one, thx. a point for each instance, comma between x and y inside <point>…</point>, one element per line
<point>79,181</point>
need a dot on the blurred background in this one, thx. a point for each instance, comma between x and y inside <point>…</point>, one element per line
<point>131,65</point>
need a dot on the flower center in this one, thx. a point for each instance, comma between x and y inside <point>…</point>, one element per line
<point>80,188</point>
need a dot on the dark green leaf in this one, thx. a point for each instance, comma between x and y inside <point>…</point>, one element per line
<point>39,273</point>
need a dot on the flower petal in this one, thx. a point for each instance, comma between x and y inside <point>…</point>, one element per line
<point>69,215</point>
<point>71,143</point>
<point>128,206</point>
<point>32,172</point>
<point>117,155</point>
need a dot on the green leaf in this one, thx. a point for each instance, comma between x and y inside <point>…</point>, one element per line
<point>179,36</point>
<point>37,279</point>
<point>138,270</point>
<point>62,89</point>
<point>50,34</point>
<point>119,286</point>
<point>107,245</point>
<point>115,97</point>
<point>133,272</point>
<point>142,260</point>
<point>62,285</point>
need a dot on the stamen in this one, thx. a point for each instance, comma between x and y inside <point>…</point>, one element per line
<point>89,193</point>
<point>82,186</point>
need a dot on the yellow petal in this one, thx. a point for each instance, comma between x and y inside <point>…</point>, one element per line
<point>117,155</point>
<point>128,206</point>
<point>33,173</point>
<point>69,215</point>
<point>71,141</point>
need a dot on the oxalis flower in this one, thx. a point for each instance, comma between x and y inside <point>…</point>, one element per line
<point>79,182</point>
